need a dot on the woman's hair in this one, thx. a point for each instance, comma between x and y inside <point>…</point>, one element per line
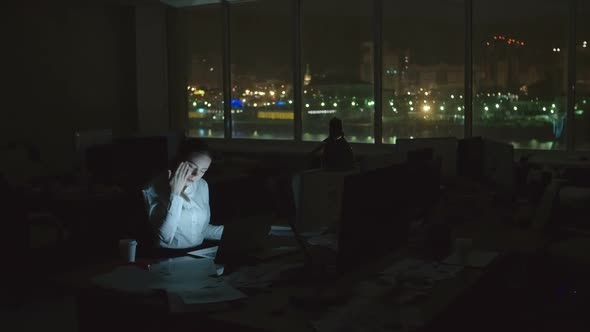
<point>190,147</point>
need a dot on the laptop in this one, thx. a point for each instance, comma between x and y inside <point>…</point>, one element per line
<point>240,240</point>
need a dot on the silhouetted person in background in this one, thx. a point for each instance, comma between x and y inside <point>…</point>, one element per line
<point>335,151</point>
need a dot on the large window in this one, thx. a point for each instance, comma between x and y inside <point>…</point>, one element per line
<point>582,106</point>
<point>337,68</point>
<point>203,35</point>
<point>520,53</point>
<point>423,69</point>
<point>261,69</point>
<point>519,69</point>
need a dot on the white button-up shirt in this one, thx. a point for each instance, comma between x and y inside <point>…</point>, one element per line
<point>180,221</point>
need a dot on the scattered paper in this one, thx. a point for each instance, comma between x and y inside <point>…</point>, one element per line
<point>194,281</point>
<point>184,268</point>
<point>475,258</point>
<point>418,273</point>
<point>128,279</point>
<point>207,291</point>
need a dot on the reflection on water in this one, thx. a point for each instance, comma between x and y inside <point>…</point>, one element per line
<point>532,144</point>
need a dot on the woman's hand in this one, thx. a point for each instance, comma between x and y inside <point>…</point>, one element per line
<point>178,180</point>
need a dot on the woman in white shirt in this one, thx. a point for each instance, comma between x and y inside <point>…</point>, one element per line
<point>178,204</point>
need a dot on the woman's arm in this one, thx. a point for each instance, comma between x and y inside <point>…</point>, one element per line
<point>164,211</point>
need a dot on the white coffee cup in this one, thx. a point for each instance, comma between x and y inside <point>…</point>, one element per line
<point>127,248</point>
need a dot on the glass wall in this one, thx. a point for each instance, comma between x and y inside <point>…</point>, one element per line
<point>423,69</point>
<point>582,105</point>
<point>337,39</point>
<point>203,35</point>
<point>520,72</point>
<point>261,69</point>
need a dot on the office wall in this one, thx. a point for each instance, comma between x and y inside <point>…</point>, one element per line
<point>66,68</point>
<point>151,65</point>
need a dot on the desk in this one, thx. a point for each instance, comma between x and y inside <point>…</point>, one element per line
<point>270,310</point>
<point>276,310</point>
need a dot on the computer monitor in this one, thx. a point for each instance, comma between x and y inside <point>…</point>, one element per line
<point>443,148</point>
<point>498,166</point>
<point>374,215</point>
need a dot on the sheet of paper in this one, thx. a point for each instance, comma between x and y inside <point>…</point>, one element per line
<point>210,252</point>
<point>475,258</point>
<point>325,240</point>
<point>208,291</point>
<point>128,279</point>
<point>194,281</point>
<point>184,268</point>
<point>421,273</point>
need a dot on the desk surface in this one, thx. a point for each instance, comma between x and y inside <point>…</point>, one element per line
<point>274,308</point>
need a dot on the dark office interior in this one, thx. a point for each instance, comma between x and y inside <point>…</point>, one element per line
<point>466,206</point>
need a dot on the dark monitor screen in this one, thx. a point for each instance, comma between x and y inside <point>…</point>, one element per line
<point>374,212</point>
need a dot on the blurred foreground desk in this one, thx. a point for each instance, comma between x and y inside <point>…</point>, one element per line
<point>389,295</point>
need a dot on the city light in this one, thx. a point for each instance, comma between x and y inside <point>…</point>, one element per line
<point>321,111</point>
<point>515,108</point>
<point>410,103</point>
<point>194,103</point>
<point>411,108</point>
<point>452,96</point>
<point>306,105</point>
<point>497,105</point>
<point>486,108</point>
<point>353,103</point>
<point>442,108</point>
<point>335,104</point>
<point>426,108</point>
<point>323,104</point>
